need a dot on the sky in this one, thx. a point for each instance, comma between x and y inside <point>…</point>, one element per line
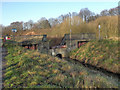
<point>25,11</point>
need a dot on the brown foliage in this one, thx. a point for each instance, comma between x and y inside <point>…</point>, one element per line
<point>109,27</point>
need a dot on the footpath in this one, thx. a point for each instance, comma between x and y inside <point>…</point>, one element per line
<point>3,53</point>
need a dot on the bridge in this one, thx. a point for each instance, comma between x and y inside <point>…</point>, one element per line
<point>30,41</point>
<point>72,42</point>
<point>67,44</point>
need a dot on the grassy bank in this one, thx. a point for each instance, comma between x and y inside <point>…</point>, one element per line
<point>31,69</point>
<point>104,54</point>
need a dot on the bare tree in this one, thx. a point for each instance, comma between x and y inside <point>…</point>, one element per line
<point>85,13</point>
<point>1,28</point>
<point>114,11</point>
<point>30,23</point>
<point>43,23</point>
<point>52,22</point>
<point>6,30</point>
<point>74,14</point>
<point>61,19</point>
<point>25,26</point>
<point>18,25</point>
<point>104,13</point>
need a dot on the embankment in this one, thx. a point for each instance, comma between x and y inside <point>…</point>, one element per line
<point>101,54</point>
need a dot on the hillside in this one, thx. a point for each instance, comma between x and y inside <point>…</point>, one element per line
<point>31,69</point>
<point>103,54</point>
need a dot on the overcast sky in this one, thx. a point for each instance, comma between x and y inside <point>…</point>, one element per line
<point>24,11</point>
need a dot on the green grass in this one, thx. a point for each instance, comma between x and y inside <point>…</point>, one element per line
<point>31,69</point>
<point>102,54</point>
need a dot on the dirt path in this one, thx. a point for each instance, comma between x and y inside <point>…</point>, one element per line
<point>0,67</point>
<point>3,52</point>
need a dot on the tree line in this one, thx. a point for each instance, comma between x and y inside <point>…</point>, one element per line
<point>85,14</point>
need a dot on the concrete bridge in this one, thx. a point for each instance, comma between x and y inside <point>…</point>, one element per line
<point>68,43</point>
<point>72,42</point>
<point>30,41</point>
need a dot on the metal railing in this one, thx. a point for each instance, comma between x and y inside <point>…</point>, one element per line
<point>81,36</point>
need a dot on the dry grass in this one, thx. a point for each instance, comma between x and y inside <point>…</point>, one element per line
<point>104,54</point>
<point>109,27</point>
<point>37,70</point>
